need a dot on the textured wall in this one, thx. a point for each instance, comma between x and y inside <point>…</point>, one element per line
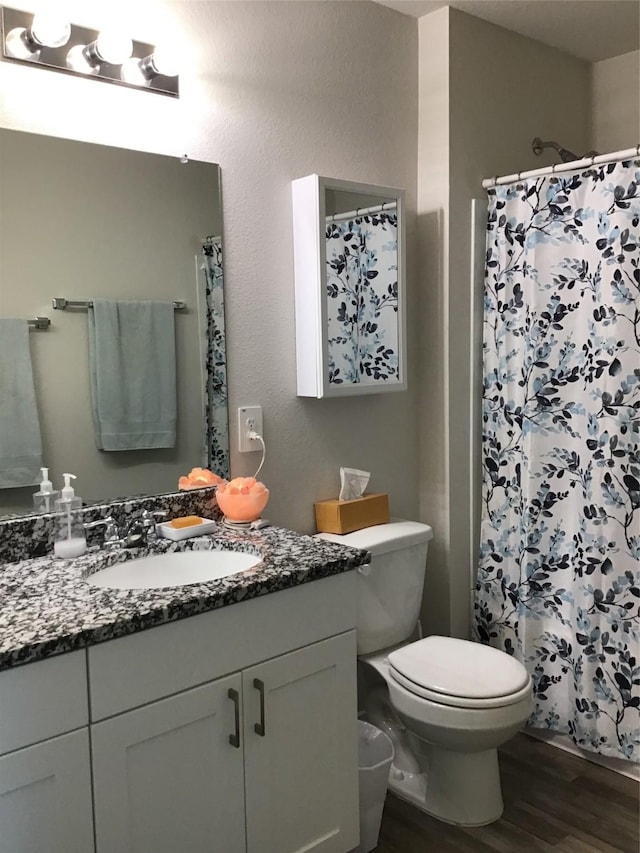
<point>272,91</point>
<point>615,103</point>
<point>433,341</point>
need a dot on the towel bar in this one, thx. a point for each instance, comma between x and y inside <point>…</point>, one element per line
<point>39,322</point>
<point>61,303</point>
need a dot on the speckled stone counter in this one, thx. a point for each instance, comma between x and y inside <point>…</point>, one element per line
<point>23,537</point>
<point>48,606</point>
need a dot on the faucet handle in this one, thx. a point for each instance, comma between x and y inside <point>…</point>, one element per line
<point>111,533</point>
<point>156,514</point>
<point>150,519</point>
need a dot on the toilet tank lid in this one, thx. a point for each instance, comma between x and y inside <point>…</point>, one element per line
<point>383,538</point>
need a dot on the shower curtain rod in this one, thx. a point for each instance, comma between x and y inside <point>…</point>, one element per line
<point>362,211</point>
<point>627,154</point>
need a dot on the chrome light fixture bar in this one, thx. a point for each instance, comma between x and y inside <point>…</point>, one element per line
<point>47,42</point>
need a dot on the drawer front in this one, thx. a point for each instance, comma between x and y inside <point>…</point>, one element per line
<point>42,699</point>
<point>149,665</point>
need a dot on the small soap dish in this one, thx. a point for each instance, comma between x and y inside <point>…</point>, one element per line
<point>167,530</point>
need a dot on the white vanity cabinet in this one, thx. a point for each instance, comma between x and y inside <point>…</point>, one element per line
<point>45,777</point>
<point>167,778</point>
<point>45,797</point>
<point>260,756</point>
<point>181,774</point>
<point>232,731</point>
<point>300,753</point>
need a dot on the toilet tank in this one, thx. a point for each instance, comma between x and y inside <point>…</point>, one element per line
<point>390,595</point>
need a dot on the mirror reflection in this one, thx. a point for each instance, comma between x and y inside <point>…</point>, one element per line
<point>363,334</point>
<point>85,222</point>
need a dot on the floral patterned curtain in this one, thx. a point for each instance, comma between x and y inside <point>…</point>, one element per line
<point>558,583</point>
<point>215,452</point>
<point>362,298</point>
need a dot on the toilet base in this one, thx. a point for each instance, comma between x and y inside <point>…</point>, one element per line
<point>460,788</point>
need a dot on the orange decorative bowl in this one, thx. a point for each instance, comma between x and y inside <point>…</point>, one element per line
<point>242,499</point>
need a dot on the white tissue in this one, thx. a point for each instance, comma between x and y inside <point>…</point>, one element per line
<point>353,483</point>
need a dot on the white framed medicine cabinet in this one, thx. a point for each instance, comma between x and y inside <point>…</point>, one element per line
<point>349,258</point>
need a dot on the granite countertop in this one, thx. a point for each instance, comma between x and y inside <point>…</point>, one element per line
<point>47,606</point>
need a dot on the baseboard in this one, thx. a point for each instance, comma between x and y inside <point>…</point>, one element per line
<point>618,765</point>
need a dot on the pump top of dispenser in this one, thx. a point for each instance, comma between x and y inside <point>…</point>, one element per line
<point>46,486</point>
<point>69,501</point>
<point>68,491</point>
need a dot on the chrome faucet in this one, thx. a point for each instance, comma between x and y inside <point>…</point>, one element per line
<point>135,533</point>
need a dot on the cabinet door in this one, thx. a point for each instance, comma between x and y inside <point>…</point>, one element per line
<point>167,779</point>
<point>45,797</point>
<point>301,764</point>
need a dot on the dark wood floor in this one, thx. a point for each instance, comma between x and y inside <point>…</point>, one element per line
<point>554,801</point>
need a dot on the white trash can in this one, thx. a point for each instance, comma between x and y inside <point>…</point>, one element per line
<point>375,754</point>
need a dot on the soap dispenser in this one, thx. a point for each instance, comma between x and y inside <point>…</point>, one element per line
<point>44,500</point>
<point>70,540</point>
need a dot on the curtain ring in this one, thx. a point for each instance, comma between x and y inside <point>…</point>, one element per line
<point>553,168</point>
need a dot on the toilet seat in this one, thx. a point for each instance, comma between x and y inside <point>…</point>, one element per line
<point>459,673</point>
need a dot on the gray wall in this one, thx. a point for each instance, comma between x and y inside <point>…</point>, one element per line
<point>271,91</point>
<point>615,103</point>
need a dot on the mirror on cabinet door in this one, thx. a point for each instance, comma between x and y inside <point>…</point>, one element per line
<point>84,222</point>
<point>349,254</point>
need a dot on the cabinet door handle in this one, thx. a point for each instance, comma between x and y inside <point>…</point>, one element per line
<point>234,739</point>
<point>260,727</point>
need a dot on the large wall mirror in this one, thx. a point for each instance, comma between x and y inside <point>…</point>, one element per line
<point>350,293</point>
<point>83,222</point>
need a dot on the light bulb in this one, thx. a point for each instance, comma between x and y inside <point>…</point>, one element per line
<point>77,61</point>
<point>113,47</point>
<point>45,31</point>
<point>166,60</point>
<point>50,31</point>
<point>133,73</point>
<point>19,46</point>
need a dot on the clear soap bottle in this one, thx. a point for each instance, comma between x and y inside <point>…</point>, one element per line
<point>70,539</point>
<point>44,500</point>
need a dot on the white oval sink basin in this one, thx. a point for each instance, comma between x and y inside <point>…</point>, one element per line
<point>174,568</point>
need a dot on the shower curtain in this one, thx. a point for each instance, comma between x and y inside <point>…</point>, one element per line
<point>558,583</point>
<point>215,451</point>
<point>362,298</point>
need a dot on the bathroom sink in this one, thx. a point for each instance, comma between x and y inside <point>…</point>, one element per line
<point>175,568</point>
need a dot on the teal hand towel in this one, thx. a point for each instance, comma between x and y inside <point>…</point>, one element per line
<point>20,440</point>
<point>132,363</point>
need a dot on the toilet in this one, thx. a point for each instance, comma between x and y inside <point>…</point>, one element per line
<point>447,704</point>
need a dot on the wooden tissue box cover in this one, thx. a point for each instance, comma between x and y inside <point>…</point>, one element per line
<point>336,516</point>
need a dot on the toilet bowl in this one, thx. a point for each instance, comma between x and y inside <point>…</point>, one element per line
<point>446,703</point>
<point>454,703</point>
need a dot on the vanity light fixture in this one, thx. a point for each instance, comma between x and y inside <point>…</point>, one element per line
<point>44,41</point>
